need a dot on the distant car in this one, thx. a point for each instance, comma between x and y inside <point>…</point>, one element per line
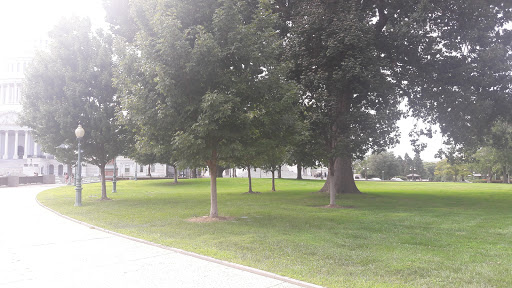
<point>375,179</point>
<point>396,179</point>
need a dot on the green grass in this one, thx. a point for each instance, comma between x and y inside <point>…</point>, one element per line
<point>396,235</point>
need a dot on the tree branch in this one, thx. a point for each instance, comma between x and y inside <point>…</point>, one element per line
<point>383,17</point>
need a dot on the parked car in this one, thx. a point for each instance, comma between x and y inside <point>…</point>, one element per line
<point>396,179</point>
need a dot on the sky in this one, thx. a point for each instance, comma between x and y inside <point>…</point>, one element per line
<point>433,144</point>
<point>24,21</point>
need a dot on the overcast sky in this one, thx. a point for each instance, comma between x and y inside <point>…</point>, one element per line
<point>24,21</point>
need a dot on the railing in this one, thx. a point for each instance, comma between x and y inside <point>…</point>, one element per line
<point>13,181</point>
<point>31,179</point>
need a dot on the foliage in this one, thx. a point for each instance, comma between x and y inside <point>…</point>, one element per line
<point>71,84</point>
<point>451,171</point>
<point>383,165</point>
<point>430,168</point>
<point>357,60</point>
<point>418,165</point>
<point>208,73</point>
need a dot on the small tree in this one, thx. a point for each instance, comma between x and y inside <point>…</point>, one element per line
<point>72,84</point>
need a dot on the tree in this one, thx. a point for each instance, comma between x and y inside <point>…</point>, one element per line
<point>356,61</point>
<point>500,140</point>
<point>451,171</point>
<point>274,159</point>
<point>430,168</point>
<point>304,147</point>
<point>418,165</point>
<point>72,84</point>
<point>383,165</point>
<point>408,165</point>
<point>401,166</point>
<point>211,69</point>
<point>486,160</point>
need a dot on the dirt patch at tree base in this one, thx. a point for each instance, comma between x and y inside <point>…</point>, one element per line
<point>208,219</point>
<point>337,207</point>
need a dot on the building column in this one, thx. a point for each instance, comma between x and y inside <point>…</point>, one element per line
<point>35,149</point>
<point>18,93</point>
<point>25,149</point>
<point>6,153</point>
<point>15,98</point>
<point>16,138</point>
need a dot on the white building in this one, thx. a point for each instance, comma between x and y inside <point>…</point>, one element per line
<point>19,153</point>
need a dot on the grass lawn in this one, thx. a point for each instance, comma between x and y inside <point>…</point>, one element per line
<point>406,234</point>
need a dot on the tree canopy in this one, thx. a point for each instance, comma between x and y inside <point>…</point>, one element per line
<point>71,84</point>
<point>207,78</point>
<point>206,66</point>
<point>358,60</point>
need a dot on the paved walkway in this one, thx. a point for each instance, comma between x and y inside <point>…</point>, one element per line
<point>41,249</point>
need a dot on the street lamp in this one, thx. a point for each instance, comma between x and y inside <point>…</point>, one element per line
<point>382,175</point>
<point>79,132</point>
<point>114,179</point>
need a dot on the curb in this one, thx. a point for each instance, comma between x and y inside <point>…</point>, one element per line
<point>192,254</point>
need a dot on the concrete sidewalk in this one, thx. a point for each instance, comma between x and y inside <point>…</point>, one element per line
<point>40,249</point>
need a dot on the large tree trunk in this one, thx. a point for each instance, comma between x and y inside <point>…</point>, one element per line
<point>279,172</point>
<point>212,165</point>
<point>325,188</point>
<point>234,172</point>
<point>149,170</point>
<point>194,173</point>
<point>220,171</point>
<point>273,181</point>
<point>342,178</point>
<point>103,183</point>
<point>250,179</point>
<point>332,182</point>
<point>504,180</point>
<point>175,174</point>
<point>299,171</point>
<point>489,175</point>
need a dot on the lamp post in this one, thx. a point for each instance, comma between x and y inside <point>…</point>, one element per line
<point>382,175</point>
<point>114,179</point>
<point>79,132</point>
<point>135,171</point>
<point>74,178</point>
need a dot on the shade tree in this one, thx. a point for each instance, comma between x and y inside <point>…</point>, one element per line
<point>357,60</point>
